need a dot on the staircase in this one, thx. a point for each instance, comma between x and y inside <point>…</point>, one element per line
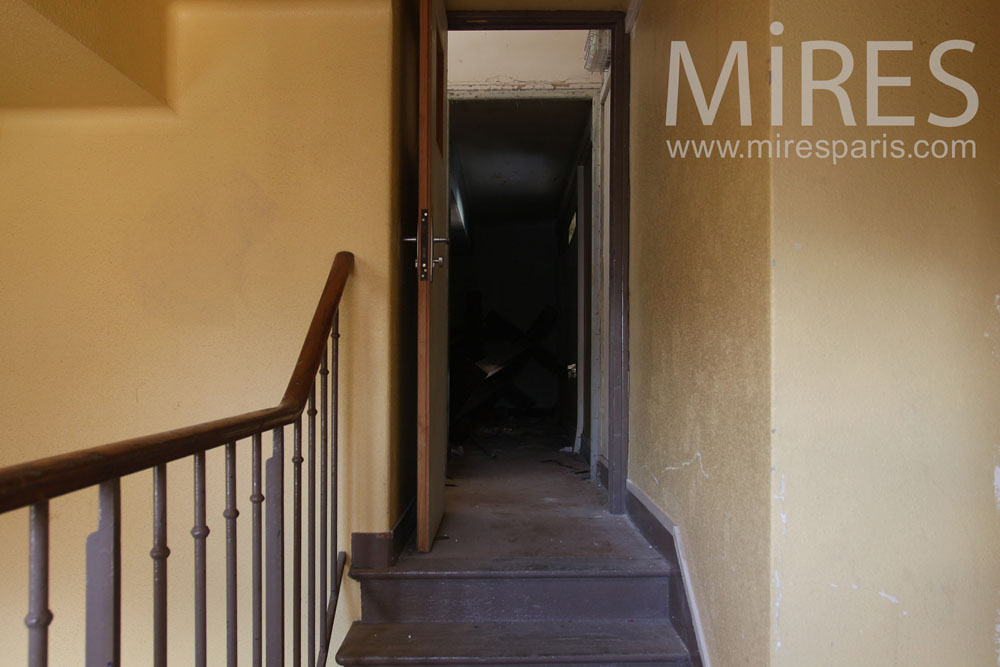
<point>529,568</point>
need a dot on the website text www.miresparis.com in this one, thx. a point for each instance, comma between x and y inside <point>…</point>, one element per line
<point>833,90</point>
<point>832,150</point>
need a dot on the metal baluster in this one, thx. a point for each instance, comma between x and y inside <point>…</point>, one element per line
<point>200,534</point>
<point>331,611</point>
<point>334,444</point>
<point>104,567</point>
<point>230,514</point>
<point>337,559</point>
<point>256,498</point>
<point>39,617</point>
<point>311,521</point>
<point>297,544</point>
<point>159,554</point>
<point>275,547</point>
<point>323,429</point>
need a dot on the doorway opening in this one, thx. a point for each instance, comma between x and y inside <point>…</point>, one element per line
<point>440,200</point>
<point>530,171</point>
<point>514,264</point>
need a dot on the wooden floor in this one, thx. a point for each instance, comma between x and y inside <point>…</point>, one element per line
<point>513,494</point>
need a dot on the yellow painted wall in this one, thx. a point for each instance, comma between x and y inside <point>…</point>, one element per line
<point>53,69</point>
<point>886,369</point>
<point>700,344</point>
<point>159,268</point>
<point>131,35</point>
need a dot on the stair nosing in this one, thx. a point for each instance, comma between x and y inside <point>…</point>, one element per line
<point>519,568</point>
<point>675,654</point>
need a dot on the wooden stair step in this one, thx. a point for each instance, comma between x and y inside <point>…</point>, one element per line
<point>514,599</point>
<point>520,643</point>
<point>436,590</point>
<point>519,567</point>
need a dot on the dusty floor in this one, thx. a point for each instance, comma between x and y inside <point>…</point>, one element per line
<point>513,495</point>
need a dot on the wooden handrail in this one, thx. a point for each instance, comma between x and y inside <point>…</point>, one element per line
<point>28,483</point>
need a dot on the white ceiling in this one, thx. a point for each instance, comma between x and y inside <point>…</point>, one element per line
<point>530,59</point>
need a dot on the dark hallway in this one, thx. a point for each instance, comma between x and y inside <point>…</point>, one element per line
<point>515,263</point>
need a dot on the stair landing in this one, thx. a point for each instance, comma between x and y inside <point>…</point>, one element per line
<point>528,567</point>
<point>515,496</point>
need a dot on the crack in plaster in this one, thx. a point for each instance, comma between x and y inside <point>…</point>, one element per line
<point>689,462</point>
<point>781,489</point>
<point>503,82</point>
<point>888,597</point>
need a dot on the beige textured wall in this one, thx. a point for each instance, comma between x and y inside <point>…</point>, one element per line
<point>160,266</point>
<point>129,34</point>
<point>699,374</point>
<point>62,72</point>
<point>886,376</point>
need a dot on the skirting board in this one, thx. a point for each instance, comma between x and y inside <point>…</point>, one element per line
<point>665,536</point>
<point>379,550</point>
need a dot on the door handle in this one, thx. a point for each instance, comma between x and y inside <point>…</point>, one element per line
<point>438,261</point>
<point>437,239</point>
<point>425,261</point>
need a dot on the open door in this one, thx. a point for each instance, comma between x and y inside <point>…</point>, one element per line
<point>432,270</point>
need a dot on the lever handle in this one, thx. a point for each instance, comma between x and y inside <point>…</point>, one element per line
<point>437,239</point>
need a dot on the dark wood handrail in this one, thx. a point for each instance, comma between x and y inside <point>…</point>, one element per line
<point>27,483</point>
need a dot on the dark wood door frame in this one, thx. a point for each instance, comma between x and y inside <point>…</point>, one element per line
<point>618,244</point>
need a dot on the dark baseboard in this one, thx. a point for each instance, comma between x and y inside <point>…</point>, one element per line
<point>661,537</point>
<point>655,532</point>
<point>373,551</point>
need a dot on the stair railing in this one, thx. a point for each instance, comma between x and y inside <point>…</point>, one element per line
<point>33,484</point>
